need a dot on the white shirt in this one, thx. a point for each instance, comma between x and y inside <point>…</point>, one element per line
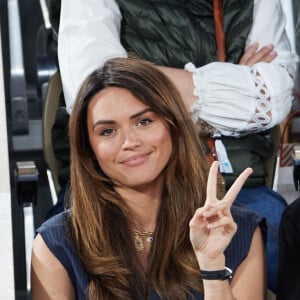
<point>229,95</point>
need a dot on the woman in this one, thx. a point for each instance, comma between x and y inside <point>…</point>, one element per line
<point>139,226</point>
<point>237,97</point>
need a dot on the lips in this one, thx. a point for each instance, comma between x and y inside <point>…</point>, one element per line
<point>135,160</point>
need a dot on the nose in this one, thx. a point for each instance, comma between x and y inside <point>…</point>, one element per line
<point>131,140</point>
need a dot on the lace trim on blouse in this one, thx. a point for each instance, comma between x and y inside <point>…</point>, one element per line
<point>263,115</point>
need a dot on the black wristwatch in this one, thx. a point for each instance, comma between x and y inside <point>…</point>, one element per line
<point>224,274</point>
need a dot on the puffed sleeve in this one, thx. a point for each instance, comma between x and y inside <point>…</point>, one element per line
<point>237,99</point>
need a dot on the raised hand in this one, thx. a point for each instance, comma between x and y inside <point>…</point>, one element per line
<point>212,226</point>
<point>254,55</point>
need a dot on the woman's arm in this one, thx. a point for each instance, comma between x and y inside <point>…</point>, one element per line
<point>211,230</point>
<point>49,279</point>
<point>248,282</point>
<point>88,36</point>
<point>249,279</point>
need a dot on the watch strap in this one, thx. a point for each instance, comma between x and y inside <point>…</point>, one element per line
<point>224,274</point>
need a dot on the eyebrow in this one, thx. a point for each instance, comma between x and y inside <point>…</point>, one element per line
<point>100,122</point>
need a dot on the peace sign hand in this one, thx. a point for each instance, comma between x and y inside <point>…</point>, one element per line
<point>212,226</point>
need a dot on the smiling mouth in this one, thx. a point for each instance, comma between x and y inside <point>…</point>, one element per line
<point>136,160</point>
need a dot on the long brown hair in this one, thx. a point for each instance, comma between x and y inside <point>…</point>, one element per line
<point>100,227</point>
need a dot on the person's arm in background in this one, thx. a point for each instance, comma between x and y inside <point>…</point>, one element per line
<point>185,84</point>
<point>88,36</point>
<point>227,93</point>
<point>237,99</point>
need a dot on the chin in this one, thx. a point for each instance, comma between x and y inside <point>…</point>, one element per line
<point>137,183</point>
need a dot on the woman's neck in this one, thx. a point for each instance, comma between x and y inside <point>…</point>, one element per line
<point>143,206</point>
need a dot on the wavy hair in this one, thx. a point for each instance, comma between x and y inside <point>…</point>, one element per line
<point>100,225</point>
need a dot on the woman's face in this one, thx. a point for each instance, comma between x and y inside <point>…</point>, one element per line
<point>131,143</point>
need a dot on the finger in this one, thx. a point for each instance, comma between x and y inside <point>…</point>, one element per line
<point>269,57</point>
<point>249,52</point>
<point>263,55</point>
<point>252,56</point>
<point>225,204</point>
<point>226,222</point>
<point>198,219</point>
<point>221,206</point>
<point>236,186</point>
<point>211,189</point>
<point>201,210</point>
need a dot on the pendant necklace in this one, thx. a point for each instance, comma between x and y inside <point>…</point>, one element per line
<point>141,236</point>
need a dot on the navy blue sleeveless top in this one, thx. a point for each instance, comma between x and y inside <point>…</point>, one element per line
<point>56,236</point>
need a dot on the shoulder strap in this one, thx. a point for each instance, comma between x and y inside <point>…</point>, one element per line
<point>220,36</point>
<point>221,53</point>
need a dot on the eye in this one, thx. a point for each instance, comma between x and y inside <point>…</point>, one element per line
<point>144,122</point>
<point>107,132</point>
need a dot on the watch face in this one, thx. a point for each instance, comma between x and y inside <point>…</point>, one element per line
<point>228,273</point>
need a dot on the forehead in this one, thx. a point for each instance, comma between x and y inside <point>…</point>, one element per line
<point>114,101</point>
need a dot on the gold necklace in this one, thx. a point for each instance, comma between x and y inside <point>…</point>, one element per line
<point>139,237</point>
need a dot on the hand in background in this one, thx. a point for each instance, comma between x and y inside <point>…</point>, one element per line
<point>254,55</point>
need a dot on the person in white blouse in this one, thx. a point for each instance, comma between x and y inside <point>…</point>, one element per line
<point>234,99</point>
<point>89,34</point>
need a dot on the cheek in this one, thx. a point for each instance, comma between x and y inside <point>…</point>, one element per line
<point>164,140</point>
<point>104,153</point>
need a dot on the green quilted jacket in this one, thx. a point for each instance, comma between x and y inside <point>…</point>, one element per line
<point>174,32</point>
